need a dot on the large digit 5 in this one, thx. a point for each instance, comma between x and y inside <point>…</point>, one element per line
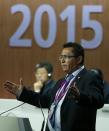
<point>15,40</point>
<point>92,24</point>
<point>38,24</point>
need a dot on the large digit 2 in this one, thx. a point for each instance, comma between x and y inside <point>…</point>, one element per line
<point>69,14</point>
<point>15,40</point>
<point>92,24</point>
<point>52,26</point>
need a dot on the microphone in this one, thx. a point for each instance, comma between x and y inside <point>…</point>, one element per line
<point>11,109</point>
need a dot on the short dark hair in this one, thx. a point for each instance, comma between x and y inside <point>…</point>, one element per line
<point>46,65</point>
<point>98,72</point>
<point>78,50</point>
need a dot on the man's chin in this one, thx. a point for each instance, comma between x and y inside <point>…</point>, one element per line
<point>65,70</point>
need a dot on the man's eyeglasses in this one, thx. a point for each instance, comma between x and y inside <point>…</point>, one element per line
<point>65,57</point>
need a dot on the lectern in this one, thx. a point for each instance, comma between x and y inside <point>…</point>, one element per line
<point>14,124</point>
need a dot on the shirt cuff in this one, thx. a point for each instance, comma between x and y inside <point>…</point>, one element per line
<point>19,92</point>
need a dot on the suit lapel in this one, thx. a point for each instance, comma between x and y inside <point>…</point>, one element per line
<point>77,80</point>
<point>80,75</point>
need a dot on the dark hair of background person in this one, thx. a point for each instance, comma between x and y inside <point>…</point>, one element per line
<point>98,72</point>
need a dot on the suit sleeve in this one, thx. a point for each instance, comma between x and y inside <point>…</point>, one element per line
<point>91,93</point>
<point>34,98</point>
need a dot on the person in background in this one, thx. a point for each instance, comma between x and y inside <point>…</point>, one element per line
<point>44,82</point>
<point>75,98</point>
<point>99,72</point>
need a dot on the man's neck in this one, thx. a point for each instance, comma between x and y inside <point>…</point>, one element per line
<point>74,69</point>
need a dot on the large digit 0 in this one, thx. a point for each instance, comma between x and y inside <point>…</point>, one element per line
<point>92,24</point>
<point>15,40</point>
<point>69,14</point>
<point>52,26</point>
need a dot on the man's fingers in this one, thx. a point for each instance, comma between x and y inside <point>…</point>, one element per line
<point>21,82</point>
<point>10,86</point>
<point>9,83</point>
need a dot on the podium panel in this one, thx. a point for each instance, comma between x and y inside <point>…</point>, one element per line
<point>14,124</point>
<point>15,120</point>
<point>102,121</point>
<point>33,113</point>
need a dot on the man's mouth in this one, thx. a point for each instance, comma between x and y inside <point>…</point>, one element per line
<point>64,66</point>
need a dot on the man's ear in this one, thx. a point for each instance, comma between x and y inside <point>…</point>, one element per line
<point>79,59</point>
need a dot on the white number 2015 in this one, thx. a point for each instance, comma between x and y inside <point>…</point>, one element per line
<point>68,14</point>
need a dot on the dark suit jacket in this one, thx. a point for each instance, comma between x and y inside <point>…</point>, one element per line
<point>106,92</point>
<point>75,115</point>
<point>47,88</point>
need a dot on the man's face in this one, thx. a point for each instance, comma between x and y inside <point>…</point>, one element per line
<point>41,74</point>
<point>68,60</point>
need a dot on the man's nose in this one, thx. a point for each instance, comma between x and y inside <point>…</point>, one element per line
<point>63,60</point>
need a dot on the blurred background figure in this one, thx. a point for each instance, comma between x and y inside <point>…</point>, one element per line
<point>44,81</point>
<point>106,84</point>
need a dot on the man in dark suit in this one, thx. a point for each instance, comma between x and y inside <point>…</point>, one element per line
<point>99,72</point>
<point>75,98</point>
<point>44,82</point>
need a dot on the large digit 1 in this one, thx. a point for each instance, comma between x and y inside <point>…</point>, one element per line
<point>52,26</point>
<point>15,40</point>
<point>69,14</point>
<point>92,24</point>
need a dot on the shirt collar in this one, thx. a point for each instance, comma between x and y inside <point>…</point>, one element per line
<point>74,73</point>
<point>77,71</point>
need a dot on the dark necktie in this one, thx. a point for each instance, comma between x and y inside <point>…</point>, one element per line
<point>63,88</point>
